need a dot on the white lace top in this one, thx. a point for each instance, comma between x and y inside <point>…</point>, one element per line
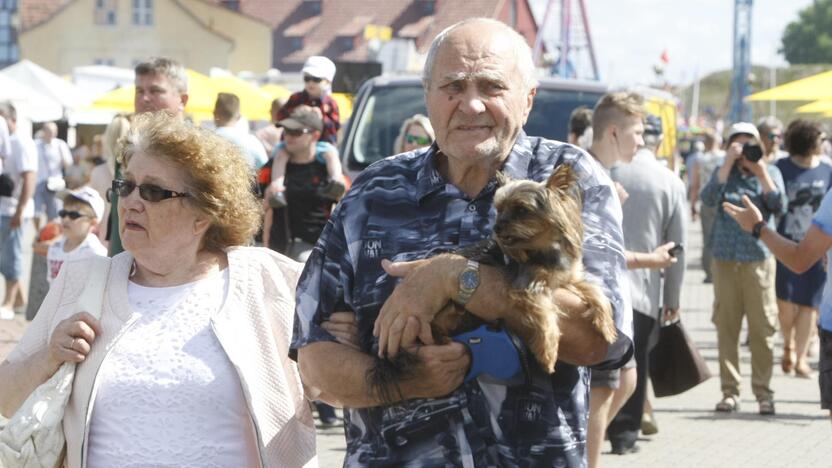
<point>167,394</point>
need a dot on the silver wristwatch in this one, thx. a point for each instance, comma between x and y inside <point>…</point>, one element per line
<point>469,281</point>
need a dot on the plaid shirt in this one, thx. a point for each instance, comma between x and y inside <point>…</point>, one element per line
<point>402,209</point>
<point>328,106</point>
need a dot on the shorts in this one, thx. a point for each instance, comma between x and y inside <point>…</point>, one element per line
<point>11,249</point>
<point>609,378</point>
<point>47,201</point>
<point>825,368</point>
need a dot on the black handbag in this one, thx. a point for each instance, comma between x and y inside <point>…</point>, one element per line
<point>675,364</point>
<point>6,185</point>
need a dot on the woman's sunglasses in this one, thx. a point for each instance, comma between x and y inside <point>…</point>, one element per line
<point>314,79</point>
<point>73,215</point>
<point>419,140</point>
<point>147,192</point>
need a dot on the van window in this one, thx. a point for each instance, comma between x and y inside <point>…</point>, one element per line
<point>389,106</point>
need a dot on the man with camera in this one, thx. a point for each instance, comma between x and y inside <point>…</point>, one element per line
<point>743,268</point>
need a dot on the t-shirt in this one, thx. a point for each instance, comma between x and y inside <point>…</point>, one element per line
<point>23,158</point>
<point>55,256</point>
<point>251,147</point>
<point>805,188</point>
<point>52,157</point>
<point>823,220</point>
<point>5,141</point>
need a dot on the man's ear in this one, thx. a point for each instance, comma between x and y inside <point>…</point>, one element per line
<point>184,99</point>
<point>529,103</point>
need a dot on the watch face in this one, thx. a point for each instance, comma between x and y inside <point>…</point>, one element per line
<point>469,280</point>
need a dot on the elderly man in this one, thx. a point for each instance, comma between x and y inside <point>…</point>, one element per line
<point>161,85</point>
<point>53,157</point>
<point>479,85</point>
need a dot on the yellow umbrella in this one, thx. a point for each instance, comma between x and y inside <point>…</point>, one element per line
<point>807,89</point>
<point>275,91</point>
<point>254,103</point>
<point>344,101</point>
<point>816,107</point>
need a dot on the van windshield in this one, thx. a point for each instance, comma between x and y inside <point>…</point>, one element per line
<point>389,106</point>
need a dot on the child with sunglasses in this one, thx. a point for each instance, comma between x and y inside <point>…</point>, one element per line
<point>82,211</point>
<point>318,73</point>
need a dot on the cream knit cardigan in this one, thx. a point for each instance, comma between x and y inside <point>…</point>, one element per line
<point>254,328</point>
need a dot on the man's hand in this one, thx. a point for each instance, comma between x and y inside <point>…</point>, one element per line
<point>17,220</point>
<point>423,292</point>
<point>746,217</point>
<point>670,315</point>
<point>442,369</point>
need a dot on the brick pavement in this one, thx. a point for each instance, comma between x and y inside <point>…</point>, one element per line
<point>691,434</point>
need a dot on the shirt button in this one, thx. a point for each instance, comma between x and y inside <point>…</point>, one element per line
<point>472,208</point>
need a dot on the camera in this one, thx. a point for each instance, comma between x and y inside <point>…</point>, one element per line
<point>752,152</point>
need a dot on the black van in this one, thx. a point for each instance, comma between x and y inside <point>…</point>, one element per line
<point>385,102</point>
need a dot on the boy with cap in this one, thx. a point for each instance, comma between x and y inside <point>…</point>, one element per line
<point>318,73</point>
<point>82,211</point>
<point>743,268</point>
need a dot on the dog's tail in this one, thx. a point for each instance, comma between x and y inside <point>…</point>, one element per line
<point>384,377</point>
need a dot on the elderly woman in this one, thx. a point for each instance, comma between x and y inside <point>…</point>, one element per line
<point>416,132</point>
<point>188,365</point>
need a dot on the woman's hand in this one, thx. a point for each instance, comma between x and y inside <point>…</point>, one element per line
<point>72,339</point>
<point>746,217</point>
<point>344,327</point>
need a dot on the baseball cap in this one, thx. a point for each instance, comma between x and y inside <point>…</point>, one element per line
<point>652,125</point>
<point>743,128</point>
<point>89,196</point>
<point>319,67</point>
<point>303,117</point>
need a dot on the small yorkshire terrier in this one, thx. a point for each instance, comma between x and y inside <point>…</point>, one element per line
<point>536,242</point>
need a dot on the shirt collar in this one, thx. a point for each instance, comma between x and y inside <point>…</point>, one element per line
<point>516,166</point>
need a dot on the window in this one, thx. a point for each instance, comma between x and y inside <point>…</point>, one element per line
<point>105,61</point>
<point>5,18</point>
<point>105,12</point>
<point>143,12</point>
<point>347,43</point>
<point>313,7</point>
<point>429,7</point>
<point>231,4</point>
<point>296,43</point>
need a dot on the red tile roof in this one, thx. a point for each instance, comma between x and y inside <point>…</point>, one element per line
<point>35,12</point>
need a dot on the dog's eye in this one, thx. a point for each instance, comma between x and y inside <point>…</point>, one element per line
<point>522,211</point>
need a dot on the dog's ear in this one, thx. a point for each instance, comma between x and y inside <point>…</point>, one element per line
<point>502,178</point>
<point>564,181</point>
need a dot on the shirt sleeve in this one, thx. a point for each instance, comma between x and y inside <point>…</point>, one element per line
<point>603,255</point>
<point>324,284</point>
<point>28,157</point>
<point>776,201</point>
<point>823,217</point>
<point>711,193</point>
<point>676,231</point>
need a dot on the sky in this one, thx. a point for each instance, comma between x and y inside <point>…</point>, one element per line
<point>629,36</point>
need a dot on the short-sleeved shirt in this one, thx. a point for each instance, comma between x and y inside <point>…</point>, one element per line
<point>728,240</point>
<point>401,208</point>
<point>823,220</point>
<point>329,109</point>
<point>52,157</point>
<point>23,158</point>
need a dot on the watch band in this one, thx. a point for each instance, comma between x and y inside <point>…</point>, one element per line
<point>758,229</point>
<point>469,281</point>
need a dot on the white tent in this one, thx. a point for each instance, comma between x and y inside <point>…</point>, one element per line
<point>66,94</point>
<point>29,103</point>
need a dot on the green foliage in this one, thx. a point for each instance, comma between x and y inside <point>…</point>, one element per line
<point>809,38</point>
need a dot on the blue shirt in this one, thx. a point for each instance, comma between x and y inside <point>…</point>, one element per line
<point>823,220</point>
<point>402,209</point>
<point>728,240</point>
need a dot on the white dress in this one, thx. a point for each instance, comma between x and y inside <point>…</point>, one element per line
<point>167,395</point>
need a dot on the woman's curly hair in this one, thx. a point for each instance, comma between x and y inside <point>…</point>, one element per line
<point>218,178</point>
<point>801,138</point>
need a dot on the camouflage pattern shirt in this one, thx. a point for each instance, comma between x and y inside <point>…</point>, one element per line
<point>402,209</point>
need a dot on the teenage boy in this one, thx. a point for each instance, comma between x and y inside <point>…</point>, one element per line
<point>82,211</point>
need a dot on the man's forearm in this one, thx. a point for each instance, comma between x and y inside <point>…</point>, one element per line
<point>336,374</point>
<point>27,190</point>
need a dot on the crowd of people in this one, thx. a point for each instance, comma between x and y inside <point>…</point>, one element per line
<point>210,351</point>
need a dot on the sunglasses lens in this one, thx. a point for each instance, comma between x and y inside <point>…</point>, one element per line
<point>123,188</point>
<point>419,140</point>
<point>312,79</point>
<point>296,132</point>
<point>151,193</point>
<point>69,214</point>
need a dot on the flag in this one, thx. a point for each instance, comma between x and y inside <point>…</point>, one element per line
<point>665,58</point>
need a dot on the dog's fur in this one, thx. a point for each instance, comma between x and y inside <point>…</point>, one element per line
<point>537,240</point>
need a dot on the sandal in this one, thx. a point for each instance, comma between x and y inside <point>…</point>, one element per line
<point>766,407</point>
<point>803,372</point>
<point>728,404</point>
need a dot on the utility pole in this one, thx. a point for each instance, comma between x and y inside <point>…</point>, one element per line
<point>740,111</point>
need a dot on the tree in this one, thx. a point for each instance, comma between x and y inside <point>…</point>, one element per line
<point>809,39</point>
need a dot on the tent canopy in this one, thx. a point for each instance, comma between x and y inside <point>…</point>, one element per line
<point>807,89</point>
<point>818,107</point>
<point>48,84</point>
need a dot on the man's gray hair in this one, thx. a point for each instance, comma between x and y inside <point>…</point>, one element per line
<point>8,111</point>
<point>767,124</point>
<point>525,61</point>
<point>169,68</point>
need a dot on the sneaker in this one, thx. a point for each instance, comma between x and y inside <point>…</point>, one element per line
<point>6,313</point>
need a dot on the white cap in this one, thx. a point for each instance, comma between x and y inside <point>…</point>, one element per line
<point>89,196</point>
<point>319,67</point>
<point>743,128</point>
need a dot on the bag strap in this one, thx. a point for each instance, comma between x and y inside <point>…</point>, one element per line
<point>92,297</point>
